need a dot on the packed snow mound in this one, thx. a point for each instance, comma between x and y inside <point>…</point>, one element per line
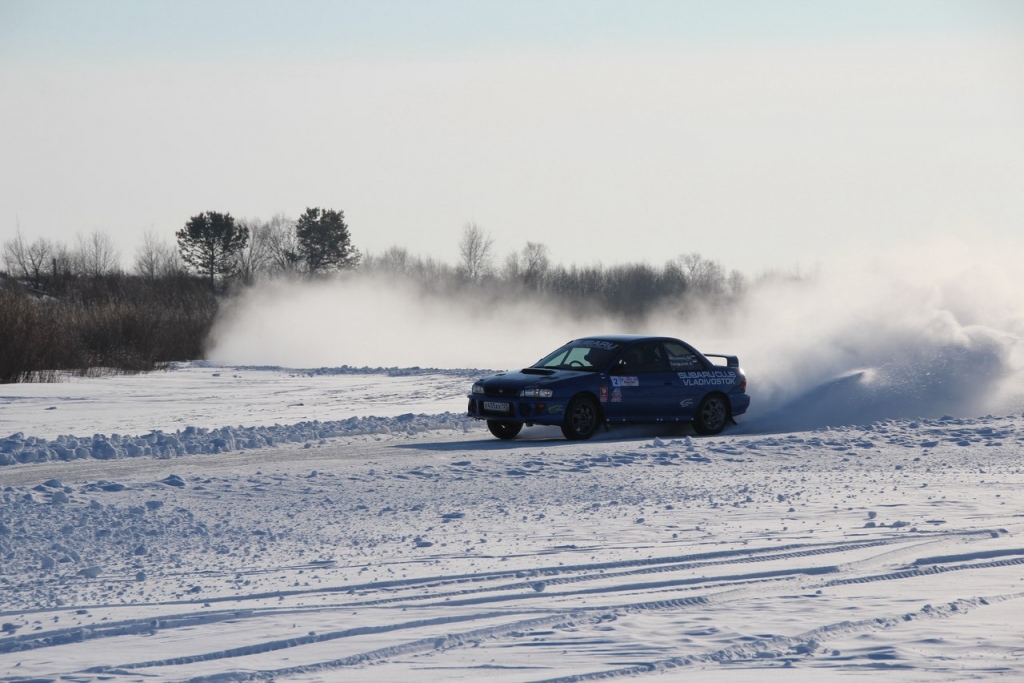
<point>393,371</point>
<point>18,448</point>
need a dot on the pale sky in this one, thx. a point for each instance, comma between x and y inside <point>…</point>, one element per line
<point>760,134</point>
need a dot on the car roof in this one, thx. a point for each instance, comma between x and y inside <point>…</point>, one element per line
<point>624,338</point>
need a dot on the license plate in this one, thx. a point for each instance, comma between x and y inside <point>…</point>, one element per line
<point>496,407</point>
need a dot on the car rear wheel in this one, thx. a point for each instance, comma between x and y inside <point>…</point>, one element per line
<point>712,414</point>
<point>582,418</point>
<point>504,430</point>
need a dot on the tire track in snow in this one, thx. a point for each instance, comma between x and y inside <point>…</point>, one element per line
<point>152,624</point>
<point>927,571</point>
<point>270,646</point>
<point>580,615</point>
<point>801,645</point>
<point>547,573</point>
<point>790,648</point>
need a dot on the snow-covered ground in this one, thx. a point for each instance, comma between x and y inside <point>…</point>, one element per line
<point>383,536</point>
<point>207,395</point>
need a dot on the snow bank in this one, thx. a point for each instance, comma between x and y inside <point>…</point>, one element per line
<point>18,448</point>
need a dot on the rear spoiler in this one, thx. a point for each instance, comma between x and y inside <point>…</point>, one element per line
<point>730,361</point>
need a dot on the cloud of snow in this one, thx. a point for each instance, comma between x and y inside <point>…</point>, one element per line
<point>924,332</point>
<point>384,322</point>
<point>920,333</point>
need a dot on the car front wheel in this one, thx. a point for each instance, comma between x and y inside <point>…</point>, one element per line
<point>504,430</point>
<point>581,418</point>
<point>712,414</point>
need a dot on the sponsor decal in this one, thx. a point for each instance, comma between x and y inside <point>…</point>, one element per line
<point>556,409</point>
<point>604,394</point>
<point>616,395</point>
<point>686,403</point>
<point>625,381</point>
<point>595,344</point>
<point>707,378</point>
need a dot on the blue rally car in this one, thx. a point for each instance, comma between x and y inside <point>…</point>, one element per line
<point>610,379</point>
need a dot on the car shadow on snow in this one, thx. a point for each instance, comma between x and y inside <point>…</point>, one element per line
<point>552,436</point>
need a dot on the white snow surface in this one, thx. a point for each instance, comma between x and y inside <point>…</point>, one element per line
<point>355,525</point>
<point>202,394</point>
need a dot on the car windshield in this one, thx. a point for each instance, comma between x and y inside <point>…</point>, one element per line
<point>587,355</point>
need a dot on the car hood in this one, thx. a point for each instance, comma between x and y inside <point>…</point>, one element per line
<point>531,377</point>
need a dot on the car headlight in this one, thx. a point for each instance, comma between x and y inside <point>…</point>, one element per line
<point>478,388</point>
<point>535,393</point>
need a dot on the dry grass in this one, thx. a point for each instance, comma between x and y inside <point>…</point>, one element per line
<point>124,323</point>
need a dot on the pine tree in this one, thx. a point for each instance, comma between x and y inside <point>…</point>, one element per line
<point>209,243</point>
<point>323,240</point>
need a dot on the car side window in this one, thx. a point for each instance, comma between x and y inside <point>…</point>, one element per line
<point>642,358</point>
<point>682,359</point>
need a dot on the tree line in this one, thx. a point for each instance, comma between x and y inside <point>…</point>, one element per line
<point>629,291</point>
<point>211,244</point>
<point>74,309</point>
<point>215,245</point>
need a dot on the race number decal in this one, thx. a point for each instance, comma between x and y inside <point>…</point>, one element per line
<point>632,381</point>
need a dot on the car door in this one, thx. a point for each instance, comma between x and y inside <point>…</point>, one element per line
<point>686,367</point>
<point>641,384</point>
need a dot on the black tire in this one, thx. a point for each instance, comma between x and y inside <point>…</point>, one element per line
<point>582,418</point>
<point>712,415</point>
<point>504,430</point>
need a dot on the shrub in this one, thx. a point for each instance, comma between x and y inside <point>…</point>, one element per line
<point>121,322</point>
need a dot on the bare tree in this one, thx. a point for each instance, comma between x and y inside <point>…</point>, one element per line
<point>146,258</point>
<point>29,261</point>
<point>39,254</point>
<point>16,255</point>
<point>255,258</point>
<point>535,263</point>
<point>155,258</point>
<point>475,249</point>
<point>96,254</point>
<point>510,271</point>
<point>737,284</point>
<point>62,261</point>
<point>703,276</point>
<point>529,266</point>
<point>395,259</point>
<point>282,245</point>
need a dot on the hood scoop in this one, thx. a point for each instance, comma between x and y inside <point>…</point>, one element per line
<point>536,371</point>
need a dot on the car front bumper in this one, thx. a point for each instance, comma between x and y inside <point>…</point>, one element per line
<point>541,411</point>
